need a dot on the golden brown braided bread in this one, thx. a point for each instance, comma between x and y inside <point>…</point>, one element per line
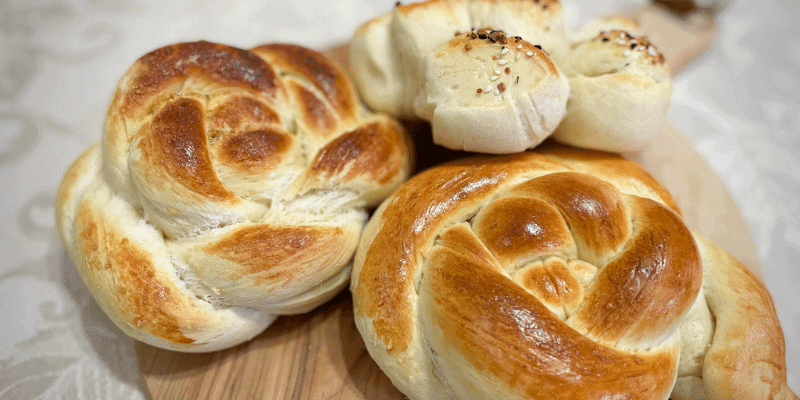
<point>229,188</point>
<point>565,275</point>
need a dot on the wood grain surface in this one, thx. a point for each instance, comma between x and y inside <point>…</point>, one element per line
<point>321,355</point>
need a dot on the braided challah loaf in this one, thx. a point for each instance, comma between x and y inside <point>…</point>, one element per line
<point>507,89</point>
<point>229,188</point>
<point>567,275</point>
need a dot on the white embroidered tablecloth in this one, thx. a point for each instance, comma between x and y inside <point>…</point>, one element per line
<point>60,60</point>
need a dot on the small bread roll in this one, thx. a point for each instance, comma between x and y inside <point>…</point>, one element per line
<point>229,188</point>
<point>487,92</point>
<point>407,63</point>
<point>558,275</point>
<point>620,92</point>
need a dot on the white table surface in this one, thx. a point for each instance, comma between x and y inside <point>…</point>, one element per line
<point>60,60</point>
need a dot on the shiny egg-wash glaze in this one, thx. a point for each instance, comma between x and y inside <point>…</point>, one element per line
<point>567,275</point>
<point>230,187</point>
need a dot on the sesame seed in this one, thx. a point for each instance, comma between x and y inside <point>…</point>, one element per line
<point>627,53</point>
<point>518,56</point>
<point>497,36</point>
<point>652,51</point>
<point>503,62</point>
<point>488,88</point>
<point>504,51</point>
<point>494,58</point>
<point>496,92</point>
<point>529,54</point>
<point>494,78</point>
<point>519,46</point>
<point>508,70</point>
<point>497,72</point>
<point>480,90</point>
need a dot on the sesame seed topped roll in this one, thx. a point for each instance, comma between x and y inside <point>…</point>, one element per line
<point>408,63</point>
<point>492,93</point>
<point>621,90</point>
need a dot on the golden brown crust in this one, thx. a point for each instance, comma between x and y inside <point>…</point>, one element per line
<point>237,180</point>
<point>747,355</point>
<point>175,143</point>
<point>261,249</point>
<point>255,151</point>
<point>517,229</point>
<point>645,289</point>
<point>240,113</point>
<point>422,206</point>
<point>320,72</point>
<point>518,341</point>
<point>139,297</point>
<point>224,65</point>
<point>558,274</point>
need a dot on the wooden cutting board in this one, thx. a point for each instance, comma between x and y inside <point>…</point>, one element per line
<point>321,355</point>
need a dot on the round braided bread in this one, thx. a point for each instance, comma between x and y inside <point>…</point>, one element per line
<point>567,275</point>
<point>230,187</point>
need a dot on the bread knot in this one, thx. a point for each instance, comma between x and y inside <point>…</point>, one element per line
<point>560,274</point>
<point>230,187</point>
<point>531,276</point>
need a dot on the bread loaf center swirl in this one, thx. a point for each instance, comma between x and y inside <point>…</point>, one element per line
<point>539,271</point>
